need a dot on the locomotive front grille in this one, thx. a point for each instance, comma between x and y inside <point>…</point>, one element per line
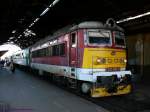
<point>110,69</point>
<point>104,80</point>
<point>109,82</point>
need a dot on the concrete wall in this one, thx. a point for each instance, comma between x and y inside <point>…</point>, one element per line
<point>139,55</point>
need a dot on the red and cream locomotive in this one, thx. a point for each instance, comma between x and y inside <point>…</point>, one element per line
<point>90,55</point>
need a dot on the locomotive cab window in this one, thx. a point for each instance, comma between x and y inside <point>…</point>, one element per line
<point>101,38</point>
<point>73,39</point>
<point>119,39</point>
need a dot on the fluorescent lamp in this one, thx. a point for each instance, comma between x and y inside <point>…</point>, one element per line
<point>14,31</point>
<point>134,17</point>
<point>11,38</point>
<point>11,42</point>
<point>45,11</point>
<point>36,20</point>
<point>55,2</point>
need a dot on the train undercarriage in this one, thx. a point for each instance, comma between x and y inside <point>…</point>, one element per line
<point>104,86</point>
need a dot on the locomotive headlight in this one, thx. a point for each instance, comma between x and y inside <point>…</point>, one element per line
<point>125,60</point>
<point>101,61</point>
<point>122,60</point>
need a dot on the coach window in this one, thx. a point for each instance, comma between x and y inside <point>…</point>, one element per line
<point>73,39</point>
<point>55,50</point>
<point>22,55</point>
<point>62,49</point>
<point>50,51</point>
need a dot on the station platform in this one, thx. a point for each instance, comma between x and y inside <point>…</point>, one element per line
<point>24,92</point>
<point>21,92</point>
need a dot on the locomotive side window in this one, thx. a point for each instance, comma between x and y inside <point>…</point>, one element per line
<point>119,39</point>
<point>96,37</point>
<point>49,51</point>
<point>56,50</point>
<point>73,40</point>
<point>62,49</point>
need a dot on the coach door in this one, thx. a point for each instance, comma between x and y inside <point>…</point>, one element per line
<point>73,49</point>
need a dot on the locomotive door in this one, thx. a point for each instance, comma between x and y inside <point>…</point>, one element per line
<point>73,49</point>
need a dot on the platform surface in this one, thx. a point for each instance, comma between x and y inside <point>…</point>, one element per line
<point>21,92</point>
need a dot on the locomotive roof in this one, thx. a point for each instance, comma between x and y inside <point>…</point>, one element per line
<point>96,24</point>
<point>82,25</point>
<point>86,25</point>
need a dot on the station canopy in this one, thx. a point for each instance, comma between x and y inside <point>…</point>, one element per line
<point>23,22</point>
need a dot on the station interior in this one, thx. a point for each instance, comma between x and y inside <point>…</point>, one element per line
<point>25,22</point>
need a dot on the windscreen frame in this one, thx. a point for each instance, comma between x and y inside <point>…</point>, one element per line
<point>101,31</point>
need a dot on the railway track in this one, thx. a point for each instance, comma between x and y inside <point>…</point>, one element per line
<point>124,103</point>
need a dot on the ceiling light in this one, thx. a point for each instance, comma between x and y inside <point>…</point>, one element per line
<point>28,32</point>
<point>11,38</point>
<point>45,11</point>
<point>19,36</point>
<point>14,31</point>
<point>48,8</point>
<point>31,24</point>
<point>36,20</point>
<point>133,17</point>
<point>55,2</point>
<point>11,42</point>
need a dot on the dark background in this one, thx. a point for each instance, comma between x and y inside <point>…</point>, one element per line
<point>19,14</point>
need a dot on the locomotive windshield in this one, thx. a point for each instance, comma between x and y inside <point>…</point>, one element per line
<point>99,37</point>
<point>119,39</point>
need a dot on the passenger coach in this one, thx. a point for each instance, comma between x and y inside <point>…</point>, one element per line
<point>21,58</point>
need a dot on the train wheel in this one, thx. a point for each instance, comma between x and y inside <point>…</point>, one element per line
<point>85,87</point>
<point>41,72</point>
